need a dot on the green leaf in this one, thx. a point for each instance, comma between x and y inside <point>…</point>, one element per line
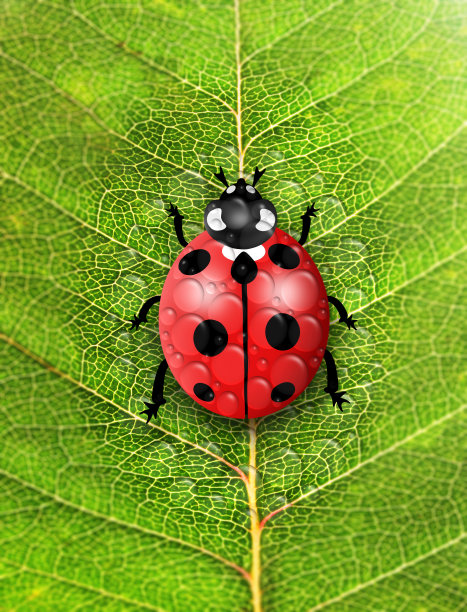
<point>109,112</point>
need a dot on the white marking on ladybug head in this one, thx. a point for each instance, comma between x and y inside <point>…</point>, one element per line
<point>267,220</point>
<point>230,189</point>
<point>255,253</point>
<point>250,189</point>
<point>214,220</point>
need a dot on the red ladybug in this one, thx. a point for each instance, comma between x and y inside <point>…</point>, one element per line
<point>244,315</point>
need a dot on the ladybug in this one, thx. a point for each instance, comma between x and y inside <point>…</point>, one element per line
<point>244,314</point>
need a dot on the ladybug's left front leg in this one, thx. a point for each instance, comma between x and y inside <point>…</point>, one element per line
<point>344,316</point>
<point>157,392</point>
<point>333,382</point>
<point>141,317</point>
<point>178,224</point>
<point>306,222</point>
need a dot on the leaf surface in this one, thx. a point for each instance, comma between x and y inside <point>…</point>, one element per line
<point>111,111</point>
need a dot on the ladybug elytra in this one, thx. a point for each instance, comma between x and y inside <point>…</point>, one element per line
<point>243,314</point>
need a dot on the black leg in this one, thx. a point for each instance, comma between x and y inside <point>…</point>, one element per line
<point>178,222</point>
<point>157,392</point>
<point>141,317</point>
<point>333,382</point>
<point>310,212</point>
<point>344,317</point>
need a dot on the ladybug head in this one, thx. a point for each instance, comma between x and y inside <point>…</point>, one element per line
<point>241,219</point>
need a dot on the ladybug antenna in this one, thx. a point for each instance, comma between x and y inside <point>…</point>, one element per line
<point>258,175</point>
<point>221,177</point>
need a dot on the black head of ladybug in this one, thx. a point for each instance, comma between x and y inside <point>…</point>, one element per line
<point>241,219</point>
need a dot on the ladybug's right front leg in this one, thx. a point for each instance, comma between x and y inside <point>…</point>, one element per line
<point>141,317</point>
<point>306,222</point>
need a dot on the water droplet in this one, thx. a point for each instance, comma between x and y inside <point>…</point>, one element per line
<point>153,206</point>
<point>124,290</point>
<point>125,363</point>
<point>290,412</point>
<point>276,155</point>
<point>314,362</point>
<point>232,150</point>
<point>355,245</point>
<point>163,451</point>
<point>356,294</point>
<point>333,202</point>
<point>310,490</point>
<point>250,470</point>
<point>124,374</point>
<point>123,340</point>
<point>277,502</point>
<point>141,236</point>
<point>128,258</point>
<point>287,465</point>
<point>330,457</point>
<point>135,231</point>
<point>364,333</point>
<point>184,489</point>
<point>250,512</point>
<point>194,229</point>
<point>218,501</point>
<point>213,448</point>
<point>334,443</point>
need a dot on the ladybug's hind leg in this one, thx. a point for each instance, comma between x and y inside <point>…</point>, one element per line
<point>344,316</point>
<point>157,392</point>
<point>333,381</point>
<point>141,317</point>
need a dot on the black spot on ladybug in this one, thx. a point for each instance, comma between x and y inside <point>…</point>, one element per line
<point>203,392</point>
<point>282,331</point>
<point>194,262</point>
<point>244,269</point>
<point>210,337</point>
<point>283,256</point>
<point>282,392</point>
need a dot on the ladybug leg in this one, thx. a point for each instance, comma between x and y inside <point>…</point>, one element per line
<point>157,392</point>
<point>178,223</point>
<point>344,317</point>
<point>333,381</point>
<point>141,316</point>
<point>306,222</point>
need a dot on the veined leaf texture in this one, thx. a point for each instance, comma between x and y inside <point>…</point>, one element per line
<point>110,111</point>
